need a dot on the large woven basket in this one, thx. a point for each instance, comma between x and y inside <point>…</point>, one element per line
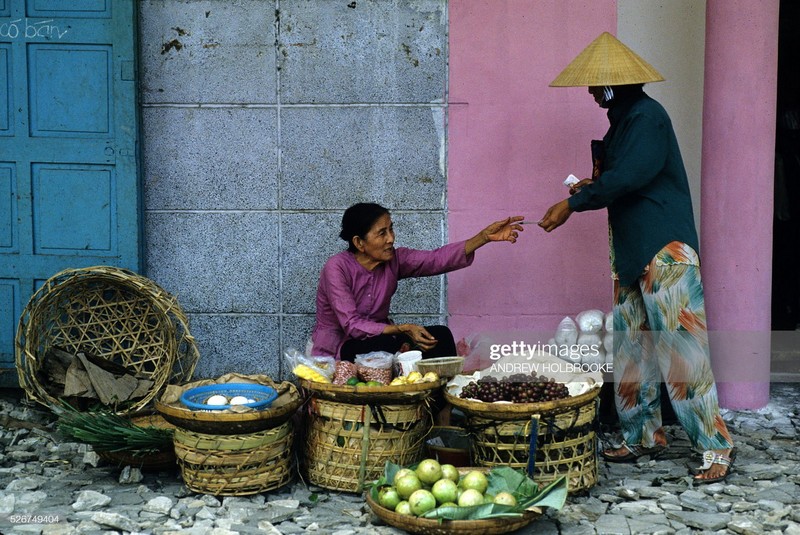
<point>113,314</point>
<point>348,445</point>
<point>566,439</point>
<point>235,465</point>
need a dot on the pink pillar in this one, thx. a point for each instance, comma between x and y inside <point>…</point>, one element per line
<point>737,194</point>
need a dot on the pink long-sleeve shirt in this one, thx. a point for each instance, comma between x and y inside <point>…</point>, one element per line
<point>353,302</point>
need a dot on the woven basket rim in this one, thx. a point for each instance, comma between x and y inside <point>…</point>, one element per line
<point>507,411</point>
<point>180,347</point>
<point>223,422</point>
<point>414,524</point>
<point>371,394</point>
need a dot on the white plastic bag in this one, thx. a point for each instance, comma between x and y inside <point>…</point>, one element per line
<point>590,321</point>
<point>589,341</point>
<point>567,332</point>
<point>375,366</point>
<point>608,342</point>
<point>324,365</point>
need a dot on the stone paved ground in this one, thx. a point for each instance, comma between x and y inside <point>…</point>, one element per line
<point>40,474</point>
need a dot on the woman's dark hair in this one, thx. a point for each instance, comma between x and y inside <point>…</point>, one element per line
<point>358,219</point>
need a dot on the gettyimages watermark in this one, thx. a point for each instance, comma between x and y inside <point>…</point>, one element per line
<point>521,357</point>
<point>737,357</point>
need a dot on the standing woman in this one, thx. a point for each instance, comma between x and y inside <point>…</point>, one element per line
<point>659,310</point>
<point>356,286</point>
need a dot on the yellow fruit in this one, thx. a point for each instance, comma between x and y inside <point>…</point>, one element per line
<point>398,381</point>
<point>306,372</point>
<point>430,377</point>
<point>414,377</point>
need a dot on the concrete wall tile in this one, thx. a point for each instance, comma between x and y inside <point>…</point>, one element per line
<point>218,51</point>
<point>246,344</point>
<point>296,331</point>
<point>362,51</point>
<point>210,159</point>
<point>334,157</point>
<point>249,161</point>
<point>215,262</point>
<point>309,239</point>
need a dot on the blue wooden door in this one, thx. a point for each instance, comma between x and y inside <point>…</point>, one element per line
<point>69,187</point>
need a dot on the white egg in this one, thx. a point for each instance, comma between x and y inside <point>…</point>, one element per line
<point>217,399</point>
<point>239,400</point>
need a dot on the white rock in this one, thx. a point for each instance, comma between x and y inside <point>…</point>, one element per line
<point>267,528</point>
<point>91,458</point>
<point>7,504</point>
<point>114,520</point>
<point>30,498</point>
<point>24,483</point>
<point>90,499</point>
<point>161,505</point>
<point>130,474</point>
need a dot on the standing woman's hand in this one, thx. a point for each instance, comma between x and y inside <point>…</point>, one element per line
<point>556,216</point>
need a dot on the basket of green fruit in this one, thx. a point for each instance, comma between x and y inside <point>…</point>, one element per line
<point>439,499</point>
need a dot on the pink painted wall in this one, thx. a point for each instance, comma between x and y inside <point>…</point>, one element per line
<point>737,194</point>
<point>512,141</point>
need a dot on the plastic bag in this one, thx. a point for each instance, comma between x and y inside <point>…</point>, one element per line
<point>325,366</point>
<point>609,322</point>
<point>375,366</point>
<point>567,332</point>
<point>590,321</point>
<point>344,371</point>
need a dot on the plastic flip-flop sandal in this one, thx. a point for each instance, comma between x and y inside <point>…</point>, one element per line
<point>635,451</point>
<point>711,458</point>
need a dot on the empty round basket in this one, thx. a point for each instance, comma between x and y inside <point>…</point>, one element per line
<point>121,321</point>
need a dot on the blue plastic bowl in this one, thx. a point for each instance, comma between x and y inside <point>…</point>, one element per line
<point>195,398</point>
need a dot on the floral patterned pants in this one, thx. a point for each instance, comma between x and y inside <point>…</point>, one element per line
<point>660,334</point>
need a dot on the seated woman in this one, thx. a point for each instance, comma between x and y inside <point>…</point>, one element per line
<point>356,286</point>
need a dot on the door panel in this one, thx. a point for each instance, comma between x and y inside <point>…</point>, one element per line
<point>68,147</point>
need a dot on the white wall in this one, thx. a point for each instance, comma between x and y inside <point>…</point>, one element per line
<point>670,35</point>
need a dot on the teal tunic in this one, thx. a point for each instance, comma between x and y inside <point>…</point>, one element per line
<point>643,184</point>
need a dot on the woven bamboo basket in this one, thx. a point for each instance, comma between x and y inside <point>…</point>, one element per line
<point>348,445</point>
<point>566,439</point>
<point>110,313</point>
<point>229,422</point>
<point>431,526</point>
<point>235,465</point>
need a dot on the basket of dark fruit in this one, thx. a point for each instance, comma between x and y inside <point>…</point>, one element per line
<point>515,417</point>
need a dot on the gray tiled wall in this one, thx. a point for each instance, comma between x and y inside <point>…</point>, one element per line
<point>262,121</point>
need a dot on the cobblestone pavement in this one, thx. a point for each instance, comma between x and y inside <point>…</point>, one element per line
<point>63,487</point>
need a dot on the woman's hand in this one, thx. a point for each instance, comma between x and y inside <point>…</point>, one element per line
<point>506,230</point>
<point>556,216</point>
<point>418,335</point>
<point>576,187</point>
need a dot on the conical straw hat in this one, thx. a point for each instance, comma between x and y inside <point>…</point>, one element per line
<point>606,61</point>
